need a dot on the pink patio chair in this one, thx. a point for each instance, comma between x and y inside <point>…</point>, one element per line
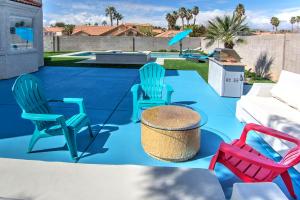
<point>250,165</point>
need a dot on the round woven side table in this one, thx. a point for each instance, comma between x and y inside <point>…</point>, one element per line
<point>171,133</point>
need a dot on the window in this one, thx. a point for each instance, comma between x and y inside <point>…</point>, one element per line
<point>21,33</point>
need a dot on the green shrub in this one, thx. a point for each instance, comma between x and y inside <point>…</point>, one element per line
<point>162,50</point>
<point>47,59</point>
<point>174,50</point>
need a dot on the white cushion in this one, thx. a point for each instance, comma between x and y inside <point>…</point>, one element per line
<point>287,89</point>
<point>273,113</point>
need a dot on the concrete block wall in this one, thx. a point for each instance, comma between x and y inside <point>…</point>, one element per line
<point>256,46</point>
<point>283,49</point>
<point>98,43</point>
<point>94,43</point>
<point>292,53</point>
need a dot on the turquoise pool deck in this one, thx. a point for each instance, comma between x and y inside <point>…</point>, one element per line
<point>108,100</point>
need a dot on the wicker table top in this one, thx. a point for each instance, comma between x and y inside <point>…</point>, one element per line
<point>173,118</point>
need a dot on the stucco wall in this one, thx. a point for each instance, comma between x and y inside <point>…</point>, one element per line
<point>16,62</point>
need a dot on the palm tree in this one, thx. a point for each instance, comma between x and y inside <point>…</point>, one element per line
<point>68,29</point>
<point>172,19</point>
<point>118,17</point>
<point>169,19</point>
<point>189,16</point>
<point>226,29</point>
<point>240,10</point>
<point>182,15</point>
<point>293,20</point>
<point>298,21</point>
<point>275,23</point>
<point>195,12</point>
<point>110,11</point>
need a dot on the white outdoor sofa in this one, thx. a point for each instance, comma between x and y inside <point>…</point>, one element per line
<point>276,106</point>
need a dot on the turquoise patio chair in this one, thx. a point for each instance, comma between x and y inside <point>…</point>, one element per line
<point>29,95</point>
<point>150,92</point>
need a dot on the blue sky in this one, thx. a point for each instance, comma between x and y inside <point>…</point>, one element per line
<point>259,12</point>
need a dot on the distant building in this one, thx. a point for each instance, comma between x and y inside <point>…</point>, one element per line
<point>121,30</point>
<point>53,31</point>
<point>21,37</point>
<point>168,33</point>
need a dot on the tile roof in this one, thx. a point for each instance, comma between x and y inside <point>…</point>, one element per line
<point>169,33</point>
<point>157,31</point>
<point>92,30</point>
<point>30,2</point>
<point>104,30</point>
<point>137,24</point>
<point>53,29</point>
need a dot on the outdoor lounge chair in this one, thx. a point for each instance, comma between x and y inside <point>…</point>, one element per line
<point>28,94</point>
<point>152,86</point>
<point>199,57</point>
<point>251,166</point>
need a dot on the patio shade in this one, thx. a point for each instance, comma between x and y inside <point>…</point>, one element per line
<point>180,36</point>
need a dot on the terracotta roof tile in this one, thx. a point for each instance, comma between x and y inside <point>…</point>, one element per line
<point>169,33</point>
<point>104,30</point>
<point>92,30</point>
<point>30,2</point>
<point>53,29</point>
<point>158,31</point>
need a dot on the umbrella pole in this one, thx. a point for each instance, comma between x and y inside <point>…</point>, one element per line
<point>180,44</point>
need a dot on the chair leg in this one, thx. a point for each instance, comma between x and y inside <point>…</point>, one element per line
<point>288,182</point>
<point>34,138</point>
<point>71,143</point>
<point>135,114</point>
<point>213,162</point>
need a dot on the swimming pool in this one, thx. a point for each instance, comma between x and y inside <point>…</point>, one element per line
<point>164,55</point>
<point>153,54</point>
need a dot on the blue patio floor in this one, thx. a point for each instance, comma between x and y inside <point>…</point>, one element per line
<point>108,100</point>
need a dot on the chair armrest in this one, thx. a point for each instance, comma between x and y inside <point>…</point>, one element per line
<point>169,92</point>
<point>261,90</point>
<point>42,117</point>
<point>168,88</point>
<point>135,88</point>
<point>246,156</point>
<point>267,131</point>
<point>78,101</point>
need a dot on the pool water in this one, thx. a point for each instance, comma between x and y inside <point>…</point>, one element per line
<point>164,55</point>
<point>153,54</point>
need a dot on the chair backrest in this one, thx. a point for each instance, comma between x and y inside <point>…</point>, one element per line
<point>292,157</point>
<point>152,80</point>
<point>28,94</point>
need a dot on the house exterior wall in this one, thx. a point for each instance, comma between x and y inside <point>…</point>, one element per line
<point>14,62</point>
